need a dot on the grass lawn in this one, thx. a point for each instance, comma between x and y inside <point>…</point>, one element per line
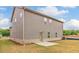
<point>62,47</point>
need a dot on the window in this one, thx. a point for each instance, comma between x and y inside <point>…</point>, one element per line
<point>41,36</point>
<point>50,20</point>
<point>21,14</point>
<point>48,34</point>
<point>56,34</point>
<point>14,19</point>
<point>45,20</point>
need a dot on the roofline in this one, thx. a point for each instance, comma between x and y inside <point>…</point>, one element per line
<point>13,13</point>
<point>27,9</point>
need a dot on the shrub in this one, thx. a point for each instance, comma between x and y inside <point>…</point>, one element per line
<point>70,32</point>
<point>5,32</point>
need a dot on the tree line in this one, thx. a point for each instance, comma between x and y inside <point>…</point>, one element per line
<point>4,32</point>
<point>70,32</point>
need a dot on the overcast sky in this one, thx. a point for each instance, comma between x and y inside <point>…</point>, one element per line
<point>68,14</point>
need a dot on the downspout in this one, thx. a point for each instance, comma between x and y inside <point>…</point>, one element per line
<point>23,28</point>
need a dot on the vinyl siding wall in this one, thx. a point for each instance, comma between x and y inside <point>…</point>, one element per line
<point>34,24</point>
<point>17,27</point>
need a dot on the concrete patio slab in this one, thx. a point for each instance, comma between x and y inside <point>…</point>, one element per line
<point>46,43</point>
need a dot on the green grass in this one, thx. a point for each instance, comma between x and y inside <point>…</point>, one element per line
<point>63,46</point>
<point>6,43</point>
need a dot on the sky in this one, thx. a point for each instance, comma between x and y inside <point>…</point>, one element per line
<point>68,14</point>
<point>5,17</point>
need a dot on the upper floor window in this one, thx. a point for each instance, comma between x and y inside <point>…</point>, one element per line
<point>15,20</point>
<point>50,20</point>
<point>45,20</point>
<point>21,14</point>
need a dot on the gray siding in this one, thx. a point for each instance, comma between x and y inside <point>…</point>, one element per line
<point>34,24</point>
<point>17,27</point>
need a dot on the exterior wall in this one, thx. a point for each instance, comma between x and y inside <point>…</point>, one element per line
<point>17,27</point>
<point>60,29</point>
<point>34,24</point>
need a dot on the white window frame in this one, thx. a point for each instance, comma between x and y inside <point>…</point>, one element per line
<point>50,20</point>
<point>15,20</point>
<point>21,14</point>
<point>45,20</point>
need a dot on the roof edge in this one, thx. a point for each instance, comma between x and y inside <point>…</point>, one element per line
<point>41,14</point>
<point>27,9</point>
<point>13,13</point>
